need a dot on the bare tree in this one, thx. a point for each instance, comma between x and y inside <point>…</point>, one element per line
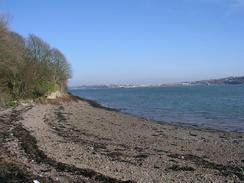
<point>61,68</point>
<point>29,67</point>
<point>11,58</point>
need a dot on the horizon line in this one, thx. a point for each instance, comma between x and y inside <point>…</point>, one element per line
<point>158,84</point>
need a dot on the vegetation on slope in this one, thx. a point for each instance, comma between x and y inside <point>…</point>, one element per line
<point>29,67</point>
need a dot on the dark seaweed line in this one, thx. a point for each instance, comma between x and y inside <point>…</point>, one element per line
<point>223,169</point>
<point>114,156</point>
<point>29,144</point>
<point>12,170</point>
<point>92,103</point>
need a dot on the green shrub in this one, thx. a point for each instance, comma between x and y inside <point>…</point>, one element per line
<point>43,88</point>
<point>12,103</point>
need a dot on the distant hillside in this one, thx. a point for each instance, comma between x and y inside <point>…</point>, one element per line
<point>89,87</point>
<point>227,81</point>
<point>222,81</point>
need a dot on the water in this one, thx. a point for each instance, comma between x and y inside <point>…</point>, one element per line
<point>215,107</point>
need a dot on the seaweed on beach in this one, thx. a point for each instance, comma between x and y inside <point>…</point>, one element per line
<point>29,145</point>
<point>225,170</point>
<point>91,103</point>
<point>12,172</point>
<point>61,128</point>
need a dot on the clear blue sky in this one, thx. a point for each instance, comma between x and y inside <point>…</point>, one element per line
<point>138,41</point>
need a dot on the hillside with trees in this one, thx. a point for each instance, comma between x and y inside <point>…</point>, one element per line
<point>29,67</point>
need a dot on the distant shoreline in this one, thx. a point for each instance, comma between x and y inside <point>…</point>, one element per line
<point>211,82</point>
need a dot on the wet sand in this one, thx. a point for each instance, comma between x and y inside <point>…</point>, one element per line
<point>76,140</point>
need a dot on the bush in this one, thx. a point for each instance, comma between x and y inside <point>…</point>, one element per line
<point>43,88</point>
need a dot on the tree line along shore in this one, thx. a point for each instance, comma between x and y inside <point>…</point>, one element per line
<point>29,67</point>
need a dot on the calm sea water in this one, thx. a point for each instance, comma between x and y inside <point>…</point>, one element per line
<point>216,107</point>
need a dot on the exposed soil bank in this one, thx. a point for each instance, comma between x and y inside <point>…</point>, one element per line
<point>76,140</point>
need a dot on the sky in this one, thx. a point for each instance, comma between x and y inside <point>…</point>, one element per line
<point>137,41</point>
